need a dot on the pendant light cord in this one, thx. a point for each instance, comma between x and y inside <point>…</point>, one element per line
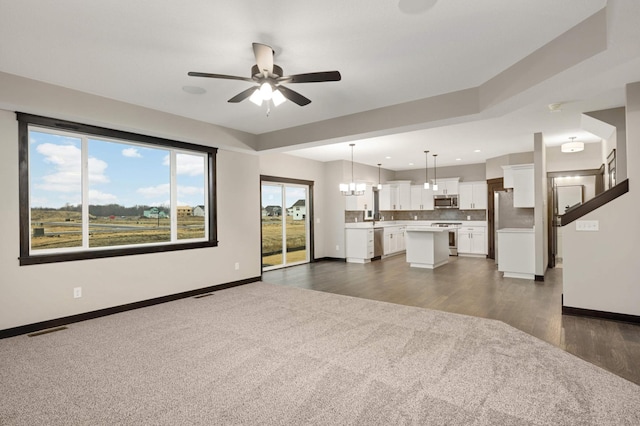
<point>435,169</point>
<point>352,145</point>
<point>426,166</point>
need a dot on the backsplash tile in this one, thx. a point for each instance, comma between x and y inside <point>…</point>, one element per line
<point>351,216</point>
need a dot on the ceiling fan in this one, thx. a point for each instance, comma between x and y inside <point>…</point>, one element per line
<point>269,78</point>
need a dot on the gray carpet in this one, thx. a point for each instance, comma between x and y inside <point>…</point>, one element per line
<point>266,354</point>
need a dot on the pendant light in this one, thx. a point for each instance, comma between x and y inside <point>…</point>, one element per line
<point>435,173</point>
<point>379,182</point>
<point>426,170</point>
<point>352,188</point>
<point>572,146</point>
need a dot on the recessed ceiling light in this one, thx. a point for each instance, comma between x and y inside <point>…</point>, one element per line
<point>194,90</point>
<point>388,158</point>
<point>458,159</point>
<point>411,164</point>
<point>555,107</point>
<point>476,150</point>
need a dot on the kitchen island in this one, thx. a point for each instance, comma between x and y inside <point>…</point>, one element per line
<point>427,246</point>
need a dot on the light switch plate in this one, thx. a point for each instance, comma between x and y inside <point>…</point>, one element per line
<point>587,225</point>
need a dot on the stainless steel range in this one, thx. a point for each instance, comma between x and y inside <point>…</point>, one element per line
<point>453,235</point>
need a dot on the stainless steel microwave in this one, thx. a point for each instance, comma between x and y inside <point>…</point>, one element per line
<point>445,201</point>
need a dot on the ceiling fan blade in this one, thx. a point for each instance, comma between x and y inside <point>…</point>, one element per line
<point>312,77</point>
<point>243,95</point>
<point>223,76</point>
<point>293,96</point>
<point>264,57</point>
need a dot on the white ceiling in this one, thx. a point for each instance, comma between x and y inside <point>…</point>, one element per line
<point>140,52</point>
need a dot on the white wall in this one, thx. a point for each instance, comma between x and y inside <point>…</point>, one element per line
<point>494,165</point>
<point>540,213</point>
<point>466,173</point>
<point>617,140</point>
<point>588,184</point>
<point>590,158</point>
<point>35,293</point>
<point>335,241</point>
<point>600,269</point>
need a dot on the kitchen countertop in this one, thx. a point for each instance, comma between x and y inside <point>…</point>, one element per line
<point>425,228</point>
<point>517,230</point>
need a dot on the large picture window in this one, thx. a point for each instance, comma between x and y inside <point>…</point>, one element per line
<point>89,192</point>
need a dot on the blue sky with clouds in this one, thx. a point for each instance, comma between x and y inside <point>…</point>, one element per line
<point>119,173</point>
<point>272,194</point>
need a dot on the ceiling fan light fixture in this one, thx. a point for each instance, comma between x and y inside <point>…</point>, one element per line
<point>277,97</point>
<point>256,97</point>
<point>266,91</point>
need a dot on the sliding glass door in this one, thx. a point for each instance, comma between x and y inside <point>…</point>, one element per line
<point>285,224</point>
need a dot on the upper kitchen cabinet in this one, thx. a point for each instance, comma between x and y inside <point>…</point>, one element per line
<point>472,195</point>
<point>396,196</point>
<point>448,186</point>
<point>421,199</point>
<point>520,177</point>
<point>507,181</point>
<point>361,202</point>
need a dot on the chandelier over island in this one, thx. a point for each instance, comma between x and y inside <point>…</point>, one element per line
<point>352,188</point>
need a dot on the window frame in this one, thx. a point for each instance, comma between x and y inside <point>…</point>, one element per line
<point>28,258</point>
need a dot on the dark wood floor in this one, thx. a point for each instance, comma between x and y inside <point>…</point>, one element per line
<point>473,286</point>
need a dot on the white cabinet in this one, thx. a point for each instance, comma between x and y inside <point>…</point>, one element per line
<point>394,239</point>
<point>384,197</point>
<point>421,199</point>
<point>523,187</point>
<point>473,195</point>
<point>448,186</point>
<point>403,200</point>
<point>516,252</point>
<point>507,181</point>
<point>472,240</point>
<point>359,244</point>
<point>361,202</point>
<point>520,177</point>
<point>396,196</point>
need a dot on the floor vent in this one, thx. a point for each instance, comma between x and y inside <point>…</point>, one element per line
<point>51,330</point>
<point>200,296</point>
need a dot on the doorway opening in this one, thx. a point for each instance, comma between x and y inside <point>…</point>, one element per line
<point>567,190</point>
<point>286,223</point>
<point>493,185</point>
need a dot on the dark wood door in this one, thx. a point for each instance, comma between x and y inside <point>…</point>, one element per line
<point>493,185</point>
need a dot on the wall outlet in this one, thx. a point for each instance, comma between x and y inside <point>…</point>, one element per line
<point>415,218</point>
<point>318,220</point>
<point>77,292</point>
<point>468,217</point>
<point>587,225</point>
<point>337,248</point>
<point>237,266</point>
